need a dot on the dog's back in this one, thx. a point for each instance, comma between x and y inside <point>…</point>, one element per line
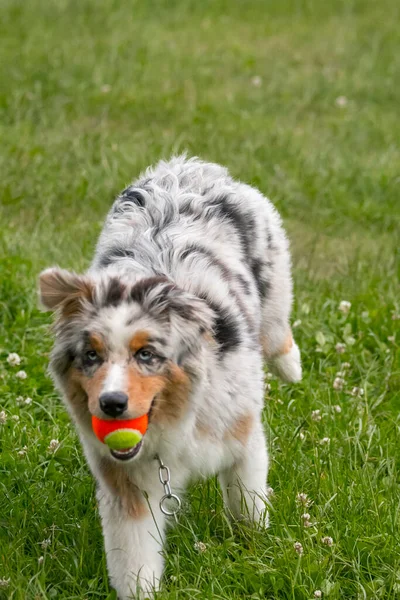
<point>215,237</point>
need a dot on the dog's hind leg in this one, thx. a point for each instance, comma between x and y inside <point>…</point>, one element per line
<point>279,348</point>
<point>285,362</point>
<point>244,485</point>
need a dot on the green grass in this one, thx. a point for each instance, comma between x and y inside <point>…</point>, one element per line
<point>178,76</point>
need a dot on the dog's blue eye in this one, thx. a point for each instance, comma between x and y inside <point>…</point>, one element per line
<point>91,355</point>
<point>144,355</point>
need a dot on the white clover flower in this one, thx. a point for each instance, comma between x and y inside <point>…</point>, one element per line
<point>22,452</point>
<point>267,387</point>
<point>19,399</point>
<point>357,392</point>
<point>45,543</point>
<point>328,541</point>
<point>200,546</point>
<point>256,81</point>
<point>53,446</point>
<point>345,306</point>
<point>338,383</point>
<point>341,101</point>
<point>40,560</point>
<point>340,348</point>
<point>317,594</point>
<point>298,548</point>
<point>296,323</point>
<point>21,375</point>
<point>302,498</point>
<point>3,417</point>
<point>325,441</point>
<point>28,401</point>
<point>270,491</point>
<point>302,436</point>
<point>307,524</point>
<point>316,415</point>
<point>337,408</point>
<point>306,517</point>
<point>4,583</point>
<point>13,359</point>
<point>346,365</point>
<point>391,338</point>
<point>15,418</point>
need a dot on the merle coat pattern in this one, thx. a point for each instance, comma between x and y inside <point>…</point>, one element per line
<point>189,290</point>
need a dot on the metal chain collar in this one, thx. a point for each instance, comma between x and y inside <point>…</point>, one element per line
<point>168,498</point>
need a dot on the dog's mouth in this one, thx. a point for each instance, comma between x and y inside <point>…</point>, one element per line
<point>127,453</point>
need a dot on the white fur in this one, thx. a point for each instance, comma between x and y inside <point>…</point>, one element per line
<point>115,380</point>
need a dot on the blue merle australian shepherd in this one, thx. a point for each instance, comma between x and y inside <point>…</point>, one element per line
<point>189,290</point>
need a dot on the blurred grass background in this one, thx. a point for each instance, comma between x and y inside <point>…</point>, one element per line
<point>298,97</point>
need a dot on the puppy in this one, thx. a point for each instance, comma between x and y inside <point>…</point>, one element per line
<point>189,289</point>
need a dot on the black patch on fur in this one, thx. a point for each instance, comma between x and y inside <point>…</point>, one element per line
<point>226,329</point>
<point>188,210</point>
<point>263,285</point>
<point>133,195</point>
<point>113,293</point>
<point>244,283</point>
<point>227,274</point>
<point>141,288</point>
<point>115,254</point>
<point>213,260</point>
<point>62,360</point>
<point>242,223</point>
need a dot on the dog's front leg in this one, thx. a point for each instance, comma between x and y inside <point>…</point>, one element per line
<point>133,542</point>
<point>244,484</point>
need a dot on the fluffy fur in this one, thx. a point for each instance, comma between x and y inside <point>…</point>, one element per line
<point>189,289</point>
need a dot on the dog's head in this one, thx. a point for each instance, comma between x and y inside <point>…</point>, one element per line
<point>124,350</point>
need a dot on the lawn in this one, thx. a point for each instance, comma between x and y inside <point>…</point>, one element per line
<point>300,98</point>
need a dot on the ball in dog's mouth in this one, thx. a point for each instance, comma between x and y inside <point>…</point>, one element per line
<point>126,453</point>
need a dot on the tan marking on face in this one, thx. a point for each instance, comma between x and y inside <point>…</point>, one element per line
<point>141,390</point>
<point>287,345</point>
<point>77,398</point>
<point>97,343</point>
<point>139,340</point>
<point>241,429</point>
<point>130,496</point>
<point>92,386</point>
<point>172,402</point>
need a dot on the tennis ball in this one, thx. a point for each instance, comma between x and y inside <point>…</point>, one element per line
<point>120,434</point>
<point>123,438</point>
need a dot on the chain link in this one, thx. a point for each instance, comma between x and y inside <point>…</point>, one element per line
<point>165,480</point>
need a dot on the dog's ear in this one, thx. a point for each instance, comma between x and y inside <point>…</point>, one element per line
<point>61,289</point>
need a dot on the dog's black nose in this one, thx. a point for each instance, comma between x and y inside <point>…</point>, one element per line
<point>113,404</point>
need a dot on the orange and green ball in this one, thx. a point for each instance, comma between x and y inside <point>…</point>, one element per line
<point>120,434</point>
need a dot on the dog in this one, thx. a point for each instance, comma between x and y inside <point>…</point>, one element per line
<point>189,291</point>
